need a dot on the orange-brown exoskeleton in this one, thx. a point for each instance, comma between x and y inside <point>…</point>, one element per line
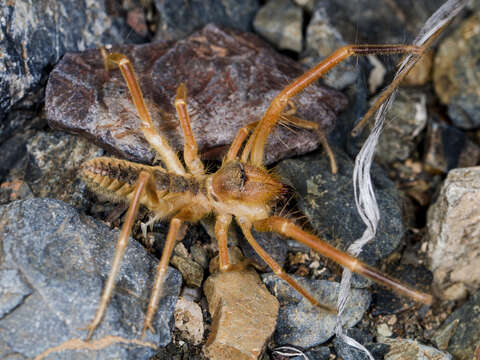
<point>241,190</point>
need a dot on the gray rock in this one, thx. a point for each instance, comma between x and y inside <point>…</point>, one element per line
<point>348,352</point>
<point>179,19</point>
<point>54,160</point>
<point>25,115</point>
<point>377,22</point>
<point>387,302</point>
<point>299,323</point>
<point>318,353</point>
<point>454,229</point>
<point>199,254</point>
<point>47,166</point>
<point>405,121</point>
<point>322,39</point>
<point>447,147</point>
<point>328,202</point>
<point>463,326</point>
<point>58,261</point>
<point>405,349</point>
<point>36,34</point>
<point>280,22</point>
<point>13,290</point>
<point>192,272</point>
<point>13,151</point>
<point>275,245</point>
<point>456,74</point>
<point>306,4</point>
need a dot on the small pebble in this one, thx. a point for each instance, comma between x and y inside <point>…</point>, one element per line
<point>403,349</point>
<point>189,320</point>
<point>280,22</point>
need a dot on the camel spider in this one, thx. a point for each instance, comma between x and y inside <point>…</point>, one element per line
<point>242,189</point>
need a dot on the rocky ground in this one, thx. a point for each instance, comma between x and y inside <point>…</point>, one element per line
<point>57,237</point>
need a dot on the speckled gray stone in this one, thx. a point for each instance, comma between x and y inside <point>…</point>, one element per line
<point>35,34</point>
<point>55,261</point>
<point>178,19</point>
<point>322,39</point>
<point>328,202</point>
<point>53,163</point>
<point>280,22</point>
<point>464,332</point>
<point>301,324</point>
<point>405,121</point>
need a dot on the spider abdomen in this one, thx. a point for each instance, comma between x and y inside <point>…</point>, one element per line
<point>113,178</point>
<point>177,184</point>
<point>116,179</point>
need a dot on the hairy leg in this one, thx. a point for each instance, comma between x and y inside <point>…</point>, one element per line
<point>190,152</point>
<point>305,124</point>
<point>259,137</point>
<point>175,225</point>
<point>222,224</point>
<point>246,230</point>
<point>122,242</point>
<point>239,139</point>
<point>286,228</point>
<point>156,140</point>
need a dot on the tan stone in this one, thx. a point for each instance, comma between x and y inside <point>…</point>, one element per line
<point>454,232</point>
<point>404,349</point>
<point>244,315</point>
<point>189,320</point>
<point>450,50</point>
<point>421,72</point>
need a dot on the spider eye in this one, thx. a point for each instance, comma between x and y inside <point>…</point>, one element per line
<point>242,176</point>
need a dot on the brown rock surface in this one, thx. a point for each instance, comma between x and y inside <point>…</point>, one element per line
<point>244,315</point>
<point>231,78</point>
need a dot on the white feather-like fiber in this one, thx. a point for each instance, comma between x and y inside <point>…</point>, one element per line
<point>366,203</point>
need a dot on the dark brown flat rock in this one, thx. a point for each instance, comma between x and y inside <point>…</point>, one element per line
<point>231,78</point>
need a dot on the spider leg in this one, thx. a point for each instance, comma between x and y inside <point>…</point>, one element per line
<point>175,225</point>
<point>271,116</point>
<point>190,152</point>
<point>221,232</point>
<point>305,124</point>
<point>246,226</point>
<point>122,242</point>
<point>156,140</point>
<point>239,139</point>
<point>287,228</point>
